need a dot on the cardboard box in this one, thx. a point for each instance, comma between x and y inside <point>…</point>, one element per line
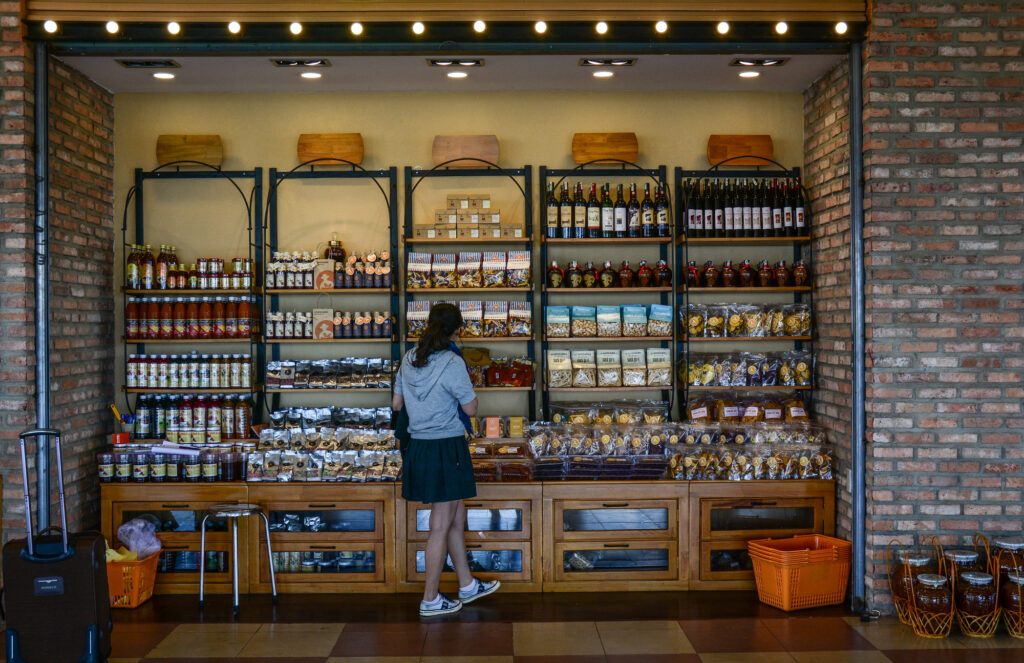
<point>323,274</point>
<point>469,232</point>
<point>479,202</point>
<point>323,323</point>
<point>469,217</point>
<point>490,216</point>
<point>512,233</point>
<point>445,216</point>
<point>490,231</point>
<point>458,201</point>
<point>424,232</point>
<point>446,230</point>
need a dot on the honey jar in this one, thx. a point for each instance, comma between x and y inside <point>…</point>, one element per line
<point>1007,550</point>
<point>963,560</point>
<point>909,565</point>
<point>932,594</point>
<point>1012,599</point>
<point>976,594</point>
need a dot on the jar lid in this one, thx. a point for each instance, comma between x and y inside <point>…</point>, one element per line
<point>961,555</point>
<point>977,578</point>
<point>931,580</point>
<point>1009,543</point>
<point>913,558</point>
<point>1016,577</point>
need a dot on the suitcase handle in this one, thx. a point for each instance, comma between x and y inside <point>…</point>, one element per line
<point>29,553</point>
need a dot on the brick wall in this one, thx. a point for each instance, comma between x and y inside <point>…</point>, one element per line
<point>826,177</point>
<point>944,119</point>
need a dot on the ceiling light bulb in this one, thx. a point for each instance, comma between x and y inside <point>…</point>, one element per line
<point>661,27</point>
<point>173,27</point>
<point>749,74</point>
<point>113,27</point>
<point>722,27</point>
<point>50,26</point>
<point>357,29</point>
<point>418,28</point>
<point>457,74</point>
<point>163,75</point>
<point>295,28</point>
<point>310,75</point>
<point>603,74</point>
<point>479,26</point>
<point>841,28</point>
<point>234,27</point>
<point>601,27</point>
<point>540,27</point>
<point>781,27</point>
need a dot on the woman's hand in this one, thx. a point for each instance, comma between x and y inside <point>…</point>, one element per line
<point>398,402</point>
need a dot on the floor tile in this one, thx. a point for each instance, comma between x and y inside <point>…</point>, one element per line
<point>861,656</point>
<point>381,640</point>
<point>646,637</point>
<point>556,639</point>
<point>953,656</point>
<point>466,659</point>
<point>816,634</point>
<point>561,659</point>
<point>1000,641</point>
<point>653,658</point>
<point>283,640</point>
<point>374,659</point>
<point>218,627</point>
<point>301,628</point>
<point>468,639</point>
<point>136,640</point>
<point>747,657</point>
<point>890,634</point>
<point>729,635</point>
<point>204,641</point>
<point>123,660</point>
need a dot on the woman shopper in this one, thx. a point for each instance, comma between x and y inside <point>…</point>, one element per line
<point>434,390</point>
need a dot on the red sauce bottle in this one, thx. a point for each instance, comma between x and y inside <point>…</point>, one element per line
<point>131,319</point>
<point>166,318</point>
<point>242,312</point>
<point>205,318</point>
<point>192,318</point>
<point>147,268</point>
<point>180,319</point>
<point>153,319</point>
<point>231,318</point>
<point>219,325</point>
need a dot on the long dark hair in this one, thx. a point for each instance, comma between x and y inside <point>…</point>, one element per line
<point>444,320</point>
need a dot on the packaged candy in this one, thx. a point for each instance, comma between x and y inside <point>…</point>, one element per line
<point>418,271</point>
<point>495,319</point>
<point>520,319</point>
<point>442,270</point>
<point>494,263</point>
<point>470,270</point>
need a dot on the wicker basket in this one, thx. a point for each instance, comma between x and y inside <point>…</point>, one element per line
<point>1013,619</point>
<point>930,624</point>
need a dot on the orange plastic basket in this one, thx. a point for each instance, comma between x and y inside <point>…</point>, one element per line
<point>799,585</point>
<point>801,548</point>
<point>131,583</point>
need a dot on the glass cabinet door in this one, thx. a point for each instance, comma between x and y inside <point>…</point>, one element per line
<point>321,563</point>
<point>753,519</point>
<point>179,564</point>
<point>507,561</point>
<point>493,520</point>
<point>642,519</point>
<point>355,521</point>
<point>654,560</point>
<point>725,560</point>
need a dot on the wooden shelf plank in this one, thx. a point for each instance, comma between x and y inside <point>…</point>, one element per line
<point>598,291</point>
<point>182,293</point>
<point>605,339</point>
<point>482,291</point>
<point>336,291</point>
<point>610,240</point>
<point>187,341</point>
<point>486,339</point>
<point>471,240</point>
<point>703,290</point>
<point>352,390</point>
<point>289,341</point>
<point>801,239</point>
<point>605,389</point>
<point>775,388</point>
<point>190,390</point>
<point>502,388</point>
<point>745,339</point>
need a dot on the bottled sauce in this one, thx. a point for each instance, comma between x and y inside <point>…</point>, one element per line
<point>227,421</point>
<point>781,274</point>
<point>746,274</point>
<point>231,317</point>
<point>243,312</point>
<point>133,273</point>
<point>163,260</point>
<point>152,318</point>
<point>575,275</point>
<point>662,213</point>
<point>765,275</point>
<point>193,277</point>
<point>166,318</point>
<point>556,276</point>
<point>663,274</point>
<point>589,276</point>
<point>143,418</point>
<point>627,277</point>
<point>147,268</point>
<point>174,419</point>
<point>932,594</point>
<point>593,214</point>
<point>551,204</point>
<point>647,226</point>
<point>192,327</point>
<point>205,318</point>
<point>607,277</point>
<point>644,275</point>
<point>729,277</point>
<point>243,418</point>
<point>800,275</point>
<point>621,222</point>
<point>976,594</point>
<point>633,213</point>
<point>579,214</point>
<point>709,275</point>
<point>565,212</point>
<point>213,420</point>
<point>219,324</point>
<point>691,274</point>
<point>180,319</point>
<point>131,319</point>
<point>607,214</point>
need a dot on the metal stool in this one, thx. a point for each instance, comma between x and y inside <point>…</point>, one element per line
<point>233,512</point>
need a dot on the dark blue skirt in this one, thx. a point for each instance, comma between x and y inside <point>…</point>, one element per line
<point>438,471</point>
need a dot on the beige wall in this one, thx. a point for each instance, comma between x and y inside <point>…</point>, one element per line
<point>533,128</point>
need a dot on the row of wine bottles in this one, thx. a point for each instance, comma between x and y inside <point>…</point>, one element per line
<point>744,208</point>
<point>573,216</point>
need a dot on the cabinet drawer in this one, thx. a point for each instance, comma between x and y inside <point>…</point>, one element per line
<point>179,564</point>
<point>175,521</point>
<point>486,520</point>
<point>302,522</point>
<point>589,520</point>
<point>752,518</point>
<point>725,560</point>
<point>319,563</point>
<point>616,560</point>
<point>511,560</point>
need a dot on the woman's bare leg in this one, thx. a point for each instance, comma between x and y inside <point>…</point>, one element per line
<point>441,514</point>
<point>457,544</point>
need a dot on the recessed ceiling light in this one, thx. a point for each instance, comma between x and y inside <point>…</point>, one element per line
<point>479,26</point>
<point>758,62</point>
<point>603,73</point>
<point>295,28</point>
<point>301,62</point>
<point>112,27</point>
<point>841,28</point>
<point>418,28</point>
<point>356,28</point>
<point>174,27</point>
<point>781,27</point>
<point>311,75</point>
<point>540,27</point>
<point>612,62</point>
<point>50,26</point>
<point>234,27</point>
<point>148,64</point>
<point>722,27</point>
<point>464,62</point>
<point>749,74</point>
<point>661,27</point>
<point>457,74</point>
<point>163,75</point>
<point>601,27</point>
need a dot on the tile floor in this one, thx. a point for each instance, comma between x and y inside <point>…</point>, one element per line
<point>645,628</point>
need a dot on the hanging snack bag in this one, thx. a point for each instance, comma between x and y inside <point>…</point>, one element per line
<point>584,369</point>
<point>795,410</point>
<point>442,271</point>
<point>472,318</point>
<point>584,321</point>
<point>697,410</point>
<point>520,319</point>
<point>609,368</point>
<point>659,320</point>
<point>519,269</point>
<point>609,321</point>
<point>556,321</point>
<point>495,319</point>
<point>418,272</point>
<point>470,270</point>
<point>659,367</point>
<point>634,368</point>
<point>494,263</point>
<point>634,321</point>
<point>559,369</point>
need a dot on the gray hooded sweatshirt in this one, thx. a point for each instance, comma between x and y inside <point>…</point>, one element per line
<point>433,394</point>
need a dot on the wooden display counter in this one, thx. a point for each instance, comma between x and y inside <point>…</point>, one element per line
<point>534,536</point>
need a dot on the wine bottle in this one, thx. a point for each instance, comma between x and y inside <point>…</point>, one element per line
<point>777,229</point>
<point>719,207</point>
<point>593,213</point>
<point>607,214</point>
<point>748,210</point>
<point>565,212</point>
<point>787,208</point>
<point>799,213</point>
<point>737,208</point>
<point>633,213</point>
<point>620,214</point>
<point>766,210</point>
<point>647,228</point>
<point>552,210</point>
<point>579,213</point>
<point>697,203</point>
<point>709,210</point>
<point>755,210</point>
<point>727,202</point>
<point>662,213</point>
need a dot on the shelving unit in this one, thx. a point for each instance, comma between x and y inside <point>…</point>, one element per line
<point>337,171</point>
<point>800,294</point>
<point>523,180</point>
<point>613,171</point>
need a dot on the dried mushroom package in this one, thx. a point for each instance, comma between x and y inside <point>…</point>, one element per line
<point>584,321</point>
<point>634,321</point>
<point>659,320</point>
<point>696,320</point>
<point>609,368</point>
<point>796,320</point>
<point>559,369</point>
<point>417,274</point>
<point>495,319</point>
<point>472,318</point>
<point>556,321</point>
<point>584,368</point>
<point>494,264</point>
<point>716,320</point>
<point>520,319</point>
<point>659,367</point>
<point>470,270</point>
<point>609,321</point>
<point>634,368</point>
<point>442,271</point>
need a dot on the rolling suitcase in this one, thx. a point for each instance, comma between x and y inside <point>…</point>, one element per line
<point>58,608</point>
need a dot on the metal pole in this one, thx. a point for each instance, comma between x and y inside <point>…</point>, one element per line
<point>858,455</point>
<point>42,264</point>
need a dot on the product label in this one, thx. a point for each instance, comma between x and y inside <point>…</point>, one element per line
<point>106,471</point>
<point>731,411</point>
<point>699,413</point>
<point>772,413</point>
<point>147,277</point>
<point>552,217</point>
<point>719,220</point>
<point>800,221</point>
<point>662,217</point>
<point>750,413</point>
<point>192,470</point>
<point>748,218</point>
<point>691,219</point>
<point>755,216</point>
<point>607,219</point>
<point>728,218</point>
<point>776,218</point>
<point>647,217</point>
<point>209,471</point>
<point>634,218</point>
<point>594,217</point>
<point>565,214</point>
<point>620,219</point>
<point>787,216</point>
<point>132,279</point>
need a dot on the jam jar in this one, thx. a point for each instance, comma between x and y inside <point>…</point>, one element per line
<point>909,565</point>
<point>962,560</point>
<point>1008,549</point>
<point>976,594</point>
<point>1012,599</point>
<point>933,595</point>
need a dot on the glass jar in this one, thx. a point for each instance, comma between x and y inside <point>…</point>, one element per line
<point>123,467</point>
<point>209,466</point>
<point>1012,599</point>
<point>140,467</point>
<point>105,461</point>
<point>976,594</point>
<point>909,565</point>
<point>962,560</point>
<point>191,468</point>
<point>1008,549</point>
<point>157,467</point>
<point>932,594</point>
<point>173,465</point>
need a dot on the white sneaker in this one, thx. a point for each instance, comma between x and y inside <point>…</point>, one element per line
<point>482,589</point>
<point>445,607</point>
